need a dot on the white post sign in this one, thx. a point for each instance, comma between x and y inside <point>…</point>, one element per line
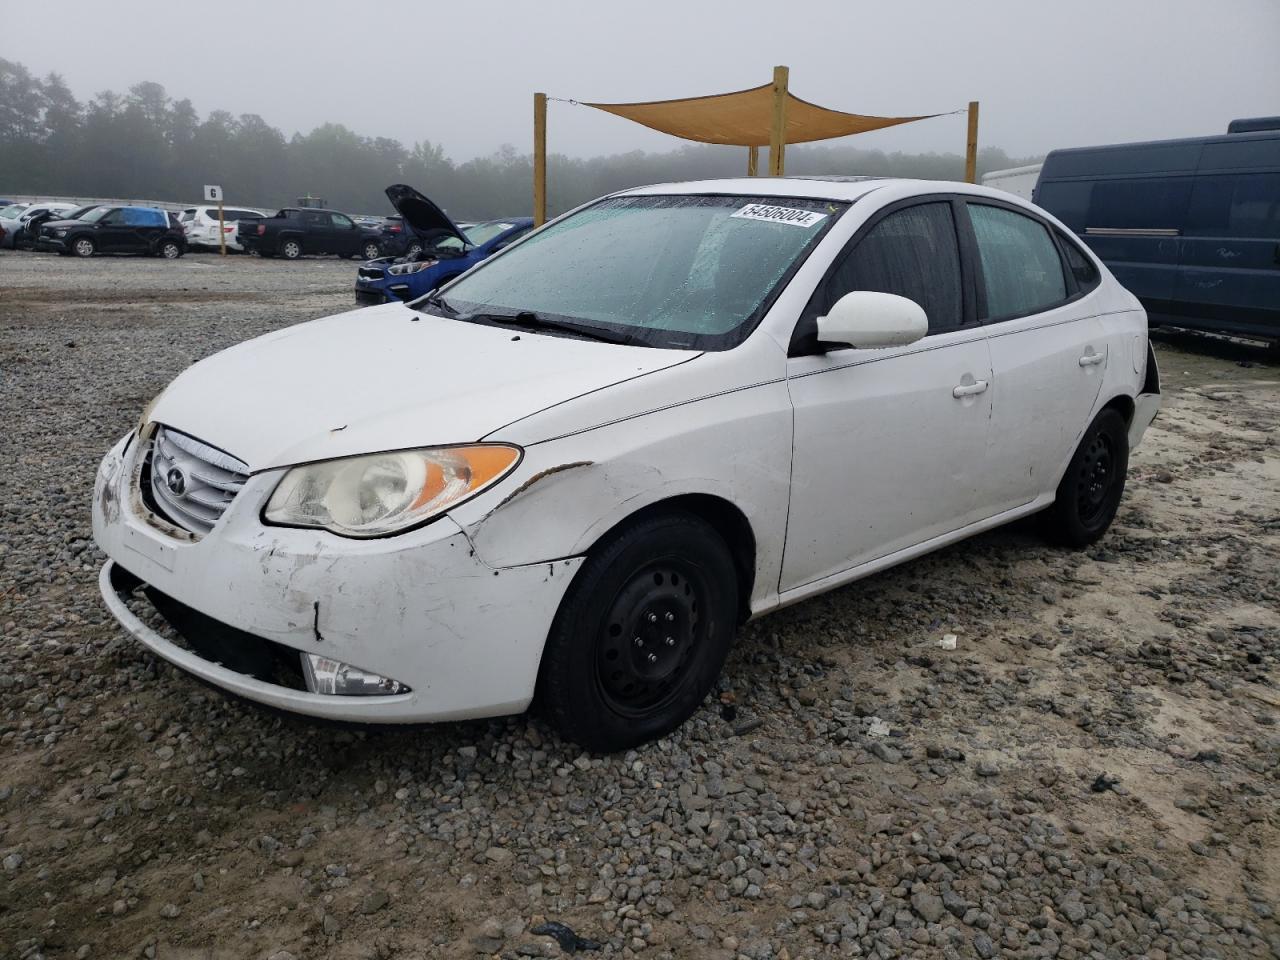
<point>212,192</point>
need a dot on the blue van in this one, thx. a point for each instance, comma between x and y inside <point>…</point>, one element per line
<point>1191,227</point>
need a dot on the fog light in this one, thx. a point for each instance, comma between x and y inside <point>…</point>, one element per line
<point>324,675</point>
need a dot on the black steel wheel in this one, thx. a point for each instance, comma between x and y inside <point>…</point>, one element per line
<point>1093,484</point>
<point>642,633</point>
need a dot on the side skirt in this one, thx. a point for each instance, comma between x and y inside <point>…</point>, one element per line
<point>796,594</point>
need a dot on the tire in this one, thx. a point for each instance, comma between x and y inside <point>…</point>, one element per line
<point>291,249</point>
<point>414,251</point>
<point>83,247</point>
<point>170,250</point>
<point>371,251</point>
<point>642,633</point>
<point>1090,491</point>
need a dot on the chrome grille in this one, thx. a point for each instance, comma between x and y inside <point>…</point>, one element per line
<point>191,483</point>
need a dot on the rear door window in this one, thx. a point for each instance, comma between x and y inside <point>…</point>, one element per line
<point>912,252</point>
<point>1021,269</point>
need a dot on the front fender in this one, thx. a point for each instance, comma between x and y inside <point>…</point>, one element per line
<point>569,492</point>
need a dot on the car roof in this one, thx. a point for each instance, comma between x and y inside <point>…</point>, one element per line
<point>838,188</point>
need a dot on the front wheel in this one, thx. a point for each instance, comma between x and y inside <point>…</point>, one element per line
<point>83,247</point>
<point>291,249</point>
<point>1090,491</point>
<point>642,633</point>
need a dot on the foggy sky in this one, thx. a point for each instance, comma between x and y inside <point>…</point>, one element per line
<point>1048,73</point>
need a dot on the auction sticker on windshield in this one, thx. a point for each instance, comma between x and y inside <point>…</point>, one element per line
<point>791,215</point>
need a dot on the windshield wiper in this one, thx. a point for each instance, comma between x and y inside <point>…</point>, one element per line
<point>527,318</point>
<point>439,302</point>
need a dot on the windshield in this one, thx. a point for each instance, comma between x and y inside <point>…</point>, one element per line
<point>93,216</point>
<point>12,210</point>
<point>670,271</point>
<point>482,233</point>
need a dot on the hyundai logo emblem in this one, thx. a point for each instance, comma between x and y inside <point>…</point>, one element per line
<point>176,481</point>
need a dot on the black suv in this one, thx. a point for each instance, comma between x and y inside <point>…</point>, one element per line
<point>294,231</point>
<point>108,229</point>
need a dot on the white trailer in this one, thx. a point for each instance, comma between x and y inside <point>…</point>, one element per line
<point>1019,181</point>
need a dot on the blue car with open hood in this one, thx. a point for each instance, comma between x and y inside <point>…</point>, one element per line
<point>446,249</point>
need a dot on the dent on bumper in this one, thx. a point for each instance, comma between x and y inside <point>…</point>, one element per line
<point>422,608</point>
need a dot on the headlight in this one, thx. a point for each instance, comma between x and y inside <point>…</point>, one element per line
<point>60,233</point>
<point>383,493</point>
<point>400,269</point>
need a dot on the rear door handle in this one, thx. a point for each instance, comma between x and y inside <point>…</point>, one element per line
<point>1091,359</point>
<point>969,389</point>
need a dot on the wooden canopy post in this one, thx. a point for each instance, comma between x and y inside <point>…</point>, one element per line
<point>778,129</point>
<point>539,159</point>
<point>753,161</point>
<point>971,147</point>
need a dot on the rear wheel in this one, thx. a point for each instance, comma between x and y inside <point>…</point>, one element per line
<point>642,633</point>
<point>415,249</point>
<point>1090,491</point>
<point>371,251</point>
<point>291,249</point>
<point>83,247</point>
<point>170,250</point>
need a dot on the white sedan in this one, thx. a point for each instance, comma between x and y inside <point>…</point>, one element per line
<point>579,467</point>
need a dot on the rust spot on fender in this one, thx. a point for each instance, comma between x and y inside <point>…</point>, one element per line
<point>537,477</point>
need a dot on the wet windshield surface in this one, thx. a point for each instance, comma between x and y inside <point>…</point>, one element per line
<point>691,272</point>
<point>482,233</point>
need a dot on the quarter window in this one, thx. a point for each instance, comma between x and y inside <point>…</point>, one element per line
<point>913,253</point>
<point>1020,264</point>
<point>1081,267</point>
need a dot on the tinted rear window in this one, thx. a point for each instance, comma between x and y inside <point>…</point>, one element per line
<point>1240,205</point>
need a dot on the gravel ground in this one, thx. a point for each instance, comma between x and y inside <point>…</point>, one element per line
<point>1093,771</point>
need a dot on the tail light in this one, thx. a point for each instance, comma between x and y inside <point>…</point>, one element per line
<point>395,229</point>
<point>262,228</point>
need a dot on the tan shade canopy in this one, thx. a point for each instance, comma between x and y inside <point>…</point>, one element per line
<point>744,118</point>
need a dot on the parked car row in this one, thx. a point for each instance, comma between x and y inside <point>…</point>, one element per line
<point>84,231</point>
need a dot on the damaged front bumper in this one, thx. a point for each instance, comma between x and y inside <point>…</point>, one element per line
<point>250,605</point>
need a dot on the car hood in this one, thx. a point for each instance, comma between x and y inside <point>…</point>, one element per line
<point>422,216</point>
<point>385,378</point>
<point>63,223</point>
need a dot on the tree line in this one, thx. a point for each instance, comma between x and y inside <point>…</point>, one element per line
<point>145,144</point>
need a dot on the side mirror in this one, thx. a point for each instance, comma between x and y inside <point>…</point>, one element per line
<point>871,321</point>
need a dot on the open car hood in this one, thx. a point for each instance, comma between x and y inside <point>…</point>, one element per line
<point>424,218</point>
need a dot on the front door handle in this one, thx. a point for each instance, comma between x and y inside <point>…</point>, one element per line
<point>969,389</point>
<point>1092,359</point>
